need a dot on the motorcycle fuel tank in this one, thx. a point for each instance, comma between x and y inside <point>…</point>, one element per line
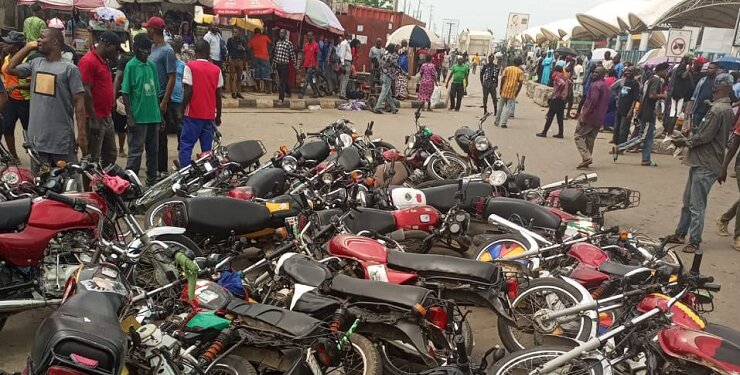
<point>373,256</point>
<point>682,315</point>
<point>407,197</point>
<point>702,348</point>
<point>424,218</point>
<point>588,254</point>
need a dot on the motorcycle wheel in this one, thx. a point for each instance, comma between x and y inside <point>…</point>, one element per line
<point>362,359</point>
<point>439,170</point>
<point>492,246</point>
<point>152,273</point>
<point>153,216</point>
<point>526,361</point>
<point>322,84</point>
<point>542,294</point>
<point>233,365</point>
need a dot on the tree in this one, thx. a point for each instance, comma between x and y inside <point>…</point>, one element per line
<point>382,4</point>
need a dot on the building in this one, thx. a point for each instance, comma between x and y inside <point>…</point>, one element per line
<point>475,42</point>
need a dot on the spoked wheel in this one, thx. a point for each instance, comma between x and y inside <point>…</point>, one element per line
<point>322,84</point>
<point>153,268</point>
<point>398,362</point>
<point>233,365</point>
<point>156,214</point>
<point>455,169</point>
<point>526,361</point>
<point>541,296</point>
<point>362,358</point>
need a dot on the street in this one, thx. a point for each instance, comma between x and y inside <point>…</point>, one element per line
<point>661,188</point>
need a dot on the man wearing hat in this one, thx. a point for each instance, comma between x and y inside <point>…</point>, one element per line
<point>163,57</point>
<point>99,97</point>
<point>706,161</point>
<point>18,95</point>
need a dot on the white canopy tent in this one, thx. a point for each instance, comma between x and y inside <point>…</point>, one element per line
<point>608,19</point>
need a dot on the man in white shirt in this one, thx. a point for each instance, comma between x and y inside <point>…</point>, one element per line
<point>213,37</point>
<point>344,51</point>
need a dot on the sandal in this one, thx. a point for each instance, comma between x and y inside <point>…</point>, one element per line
<point>689,249</point>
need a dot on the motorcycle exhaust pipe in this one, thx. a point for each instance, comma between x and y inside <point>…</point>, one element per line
<point>18,305</point>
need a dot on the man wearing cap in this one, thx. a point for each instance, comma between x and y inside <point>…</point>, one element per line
<point>57,93</point>
<point>18,94</point>
<point>99,97</point>
<point>33,25</point>
<point>163,57</point>
<point>706,161</point>
<point>140,87</point>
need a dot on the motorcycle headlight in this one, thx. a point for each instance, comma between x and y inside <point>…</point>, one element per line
<point>482,144</point>
<point>411,141</point>
<point>11,178</point>
<point>346,140</point>
<point>327,178</point>
<point>455,228</point>
<point>460,218</point>
<point>497,178</point>
<point>290,164</point>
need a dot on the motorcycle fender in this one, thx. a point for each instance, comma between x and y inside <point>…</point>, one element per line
<point>554,340</point>
<point>585,298</point>
<point>413,335</point>
<point>154,233</point>
<point>485,297</point>
<point>297,357</point>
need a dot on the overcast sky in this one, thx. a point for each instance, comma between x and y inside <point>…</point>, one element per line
<point>485,14</point>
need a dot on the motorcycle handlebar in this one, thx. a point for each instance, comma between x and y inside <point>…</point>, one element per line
<point>280,251</point>
<point>72,202</point>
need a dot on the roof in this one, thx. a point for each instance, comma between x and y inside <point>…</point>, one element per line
<point>609,19</point>
<point>707,13</point>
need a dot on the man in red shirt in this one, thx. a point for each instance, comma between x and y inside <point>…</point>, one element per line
<point>310,63</point>
<point>261,62</point>
<point>202,83</point>
<point>99,98</point>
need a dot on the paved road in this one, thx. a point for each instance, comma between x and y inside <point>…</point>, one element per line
<point>551,159</point>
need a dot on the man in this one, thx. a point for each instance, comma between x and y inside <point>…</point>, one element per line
<point>680,92</point>
<point>608,63</point>
<point>284,55</point>
<point>702,96</point>
<point>592,117</point>
<point>68,52</point>
<point>57,92</point>
<point>476,62</point>
<point>511,83</point>
<point>734,211</point>
<point>99,98</point>
<point>587,74</point>
<point>556,102</point>
<point>237,47</point>
<point>389,69</point>
<point>627,97</point>
<point>376,51</point>
<point>489,82</point>
<point>458,74</point>
<point>324,51</point>
<point>140,87</point>
<point>213,37</point>
<point>696,69</point>
<point>261,60</point>
<point>344,51</point>
<point>706,158</point>
<point>17,107</point>
<point>618,65</point>
<point>33,25</point>
<point>174,110</point>
<point>310,64</point>
<point>136,28</point>
<point>653,93</point>
<point>202,83</point>
<point>163,58</point>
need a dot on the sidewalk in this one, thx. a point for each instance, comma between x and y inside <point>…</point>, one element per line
<point>253,100</point>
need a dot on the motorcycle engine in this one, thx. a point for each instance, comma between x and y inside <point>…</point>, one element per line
<point>64,255</point>
<point>417,176</point>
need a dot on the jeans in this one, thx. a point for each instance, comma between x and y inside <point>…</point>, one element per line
<point>695,195</point>
<point>143,137</point>
<point>648,136</point>
<point>283,78</point>
<point>505,106</point>
<point>385,93</point>
<point>621,129</point>
<point>557,106</point>
<point>734,211</point>
<point>456,94</point>
<point>171,119</point>
<point>512,107</point>
<point>345,78</point>
<point>309,80</point>
<point>102,142</point>
<point>489,89</point>
<point>194,130</point>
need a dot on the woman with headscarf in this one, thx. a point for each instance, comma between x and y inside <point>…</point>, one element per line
<point>402,81</point>
<point>428,75</point>
<point>546,69</point>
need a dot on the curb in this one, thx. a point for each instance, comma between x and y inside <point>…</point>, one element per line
<point>300,104</point>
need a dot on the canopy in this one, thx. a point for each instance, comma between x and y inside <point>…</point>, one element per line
<point>608,19</point>
<point>250,8</point>
<point>65,4</point>
<point>648,15</point>
<point>417,36</point>
<point>715,13</point>
<point>314,12</point>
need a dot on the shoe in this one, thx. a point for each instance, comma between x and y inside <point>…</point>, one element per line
<point>503,126</point>
<point>585,164</point>
<point>722,229</point>
<point>233,95</point>
<point>690,249</point>
<point>495,123</point>
<point>648,163</point>
<point>558,136</point>
<point>614,153</point>
<point>674,238</point>
<point>122,154</point>
<point>541,135</point>
<point>239,95</point>
<point>736,243</point>
<point>394,111</point>
<point>377,111</point>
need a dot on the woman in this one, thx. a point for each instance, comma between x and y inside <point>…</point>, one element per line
<point>187,34</point>
<point>546,69</point>
<point>402,81</point>
<point>428,80</point>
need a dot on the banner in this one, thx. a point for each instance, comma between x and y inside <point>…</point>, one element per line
<point>517,23</point>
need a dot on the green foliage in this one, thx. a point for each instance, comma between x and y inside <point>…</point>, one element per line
<point>382,4</point>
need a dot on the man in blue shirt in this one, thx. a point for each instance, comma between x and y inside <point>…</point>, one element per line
<point>174,114</point>
<point>702,96</point>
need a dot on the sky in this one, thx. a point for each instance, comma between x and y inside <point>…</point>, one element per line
<point>493,14</point>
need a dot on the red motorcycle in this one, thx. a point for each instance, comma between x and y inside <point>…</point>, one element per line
<point>43,241</point>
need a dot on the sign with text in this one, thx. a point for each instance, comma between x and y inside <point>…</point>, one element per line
<point>678,43</point>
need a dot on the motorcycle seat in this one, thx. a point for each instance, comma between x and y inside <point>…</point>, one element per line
<point>293,323</point>
<point>727,333</point>
<point>440,265</point>
<point>522,212</point>
<point>268,183</point>
<point>14,214</point>
<point>371,219</point>
<point>317,150</point>
<point>621,270</point>
<point>304,270</point>
<point>443,197</point>
<point>399,295</point>
<point>218,216</point>
<point>245,153</point>
<point>463,137</point>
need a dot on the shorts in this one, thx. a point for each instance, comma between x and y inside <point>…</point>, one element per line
<point>15,110</point>
<point>119,122</point>
<point>261,69</point>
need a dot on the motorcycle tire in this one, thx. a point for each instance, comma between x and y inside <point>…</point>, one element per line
<point>322,84</point>
<point>436,169</point>
<point>559,295</point>
<point>528,360</point>
<point>368,353</point>
<point>152,218</point>
<point>233,365</point>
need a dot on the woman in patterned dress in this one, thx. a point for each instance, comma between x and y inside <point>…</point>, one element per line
<point>428,80</point>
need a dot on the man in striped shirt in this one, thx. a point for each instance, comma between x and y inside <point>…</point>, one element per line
<point>511,83</point>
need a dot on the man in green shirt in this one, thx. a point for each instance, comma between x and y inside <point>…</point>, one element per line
<point>33,25</point>
<point>139,87</point>
<point>458,73</point>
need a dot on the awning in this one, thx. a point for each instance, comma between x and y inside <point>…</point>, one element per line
<point>65,4</point>
<point>314,12</point>
<point>250,8</point>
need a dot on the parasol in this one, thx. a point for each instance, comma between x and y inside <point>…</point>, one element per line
<point>314,12</point>
<point>728,63</point>
<point>417,36</point>
<point>105,13</point>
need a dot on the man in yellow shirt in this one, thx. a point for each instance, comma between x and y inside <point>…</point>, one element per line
<point>511,83</point>
<point>476,62</point>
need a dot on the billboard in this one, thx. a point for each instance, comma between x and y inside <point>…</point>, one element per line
<point>517,23</point>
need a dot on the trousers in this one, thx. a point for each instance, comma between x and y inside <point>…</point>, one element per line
<point>236,67</point>
<point>457,90</point>
<point>385,93</point>
<point>490,89</point>
<point>283,77</point>
<point>309,81</point>
<point>506,106</point>
<point>694,207</point>
<point>734,211</point>
<point>585,137</point>
<point>194,130</point>
<point>102,142</point>
<point>557,106</point>
<point>143,137</point>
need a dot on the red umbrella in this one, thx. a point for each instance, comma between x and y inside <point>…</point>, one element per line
<point>247,7</point>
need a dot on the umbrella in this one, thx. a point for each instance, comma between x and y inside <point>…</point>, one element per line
<point>105,13</point>
<point>598,54</point>
<point>655,61</point>
<point>417,36</point>
<point>314,12</point>
<point>247,8</point>
<point>566,51</point>
<point>729,63</point>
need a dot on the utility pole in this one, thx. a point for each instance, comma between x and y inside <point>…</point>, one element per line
<point>431,8</point>
<point>418,10</point>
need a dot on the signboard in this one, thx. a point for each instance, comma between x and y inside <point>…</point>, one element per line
<point>678,43</point>
<point>517,23</point>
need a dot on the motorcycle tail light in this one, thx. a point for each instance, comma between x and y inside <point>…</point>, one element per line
<point>512,288</point>
<point>84,361</point>
<point>59,370</point>
<point>438,317</point>
<point>168,215</point>
<point>327,352</point>
<point>369,182</point>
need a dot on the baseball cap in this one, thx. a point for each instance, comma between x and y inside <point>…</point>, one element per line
<point>724,79</point>
<point>155,23</point>
<point>14,37</point>
<point>700,60</point>
<point>56,23</point>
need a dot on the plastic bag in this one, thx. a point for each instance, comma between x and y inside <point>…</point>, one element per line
<point>436,98</point>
